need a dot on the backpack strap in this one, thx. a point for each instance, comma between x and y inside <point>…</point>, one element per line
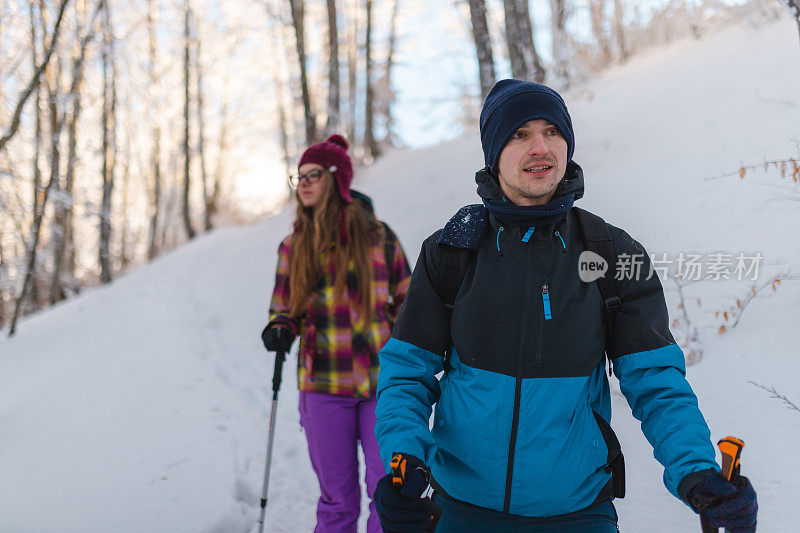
<point>454,268</point>
<point>454,264</point>
<point>389,243</point>
<point>457,244</point>
<point>597,238</point>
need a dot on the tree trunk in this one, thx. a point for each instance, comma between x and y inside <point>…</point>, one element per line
<point>619,30</point>
<point>332,125</point>
<point>52,83</point>
<point>109,144</point>
<point>387,94</point>
<point>352,72</point>
<point>125,258</point>
<point>370,145</point>
<point>40,195</point>
<point>794,7</point>
<point>597,10</point>
<point>525,62</point>
<point>282,122</point>
<point>298,16</point>
<point>59,211</point>
<point>222,151</point>
<point>2,273</point>
<point>155,117</point>
<point>201,139</point>
<point>38,187</point>
<point>558,27</point>
<point>63,234</point>
<point>483,45</point>
<point>187,155</point>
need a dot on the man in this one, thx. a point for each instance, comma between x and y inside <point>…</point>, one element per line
<point>521,437</point>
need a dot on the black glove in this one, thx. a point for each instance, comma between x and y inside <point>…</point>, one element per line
<point>277,338</point>
<point>722,503</point>
<point>397,497</point>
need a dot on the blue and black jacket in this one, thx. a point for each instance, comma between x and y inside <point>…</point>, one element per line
<point>522,412</point>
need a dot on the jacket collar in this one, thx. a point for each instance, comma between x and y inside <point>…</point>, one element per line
<point>569,189</point>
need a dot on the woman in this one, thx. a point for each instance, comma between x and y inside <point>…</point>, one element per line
<point>341,278</point>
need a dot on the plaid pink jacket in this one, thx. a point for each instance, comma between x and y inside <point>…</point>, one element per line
<point>338,350</point>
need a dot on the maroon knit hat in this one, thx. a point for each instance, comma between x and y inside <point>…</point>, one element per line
<point>332,154</point>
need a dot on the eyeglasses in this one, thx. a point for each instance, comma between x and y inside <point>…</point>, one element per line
<point>311,176</point>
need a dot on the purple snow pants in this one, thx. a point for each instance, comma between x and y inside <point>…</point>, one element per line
<point>333,426</point>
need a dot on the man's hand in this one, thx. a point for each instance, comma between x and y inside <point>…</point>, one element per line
<point>725,504</point>
<point>398,497</point>
<point>277,338</point>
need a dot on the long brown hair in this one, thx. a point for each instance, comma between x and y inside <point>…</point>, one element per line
<point>319,229</point>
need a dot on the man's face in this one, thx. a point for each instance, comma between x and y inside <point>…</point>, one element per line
<point>532,163</point>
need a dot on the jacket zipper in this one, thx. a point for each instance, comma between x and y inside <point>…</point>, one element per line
<point>546,315</point>
<point>518,384</point>
<point>546,302</point>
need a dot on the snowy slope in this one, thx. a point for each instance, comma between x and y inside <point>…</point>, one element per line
<point>142,406</point>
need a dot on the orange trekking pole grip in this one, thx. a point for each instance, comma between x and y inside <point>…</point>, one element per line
<point>731,450</point>
<point>398,465</point>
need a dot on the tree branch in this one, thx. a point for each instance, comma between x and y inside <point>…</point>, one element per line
<point>775,394</point>
<point>35,79</point>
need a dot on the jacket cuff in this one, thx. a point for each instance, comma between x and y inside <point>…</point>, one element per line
<point>286,322</point>
<point>690,481</point>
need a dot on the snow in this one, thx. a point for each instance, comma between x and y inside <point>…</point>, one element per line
<point>143,406</point>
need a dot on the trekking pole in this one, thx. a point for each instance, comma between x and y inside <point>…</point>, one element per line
<point>731,450</point>
<point>280,357</point>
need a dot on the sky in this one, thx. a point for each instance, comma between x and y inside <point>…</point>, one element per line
<point>435,79</point>
<point>437,62</point>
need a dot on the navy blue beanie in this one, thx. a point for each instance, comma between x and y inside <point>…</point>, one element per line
<point>512,103</point>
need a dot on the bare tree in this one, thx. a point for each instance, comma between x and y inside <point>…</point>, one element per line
<point>62,235</point>
<point>109,143</point>
<point>201,140</point>
<point>370,144</point>
<point>525,62</point>
<point>483,45</point>
<point>276,42</point>
<point>387,94</point>
<point>187,153</point>
<point>52,162</point>
<point>15,120</point>
<point>598,16</point>
<point>298,21</point>
<point>125,254</point>
<point>352,71</point>
<point>222,151</point>
<point>155,117</point>
<point>794,7</point>
<point>52,83</point>
<point>40,194</point>
<point>2,272</point>
<point>619,30</point>
<point>558,27</point>
<point>38,186</point>
<point>333,70</point>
